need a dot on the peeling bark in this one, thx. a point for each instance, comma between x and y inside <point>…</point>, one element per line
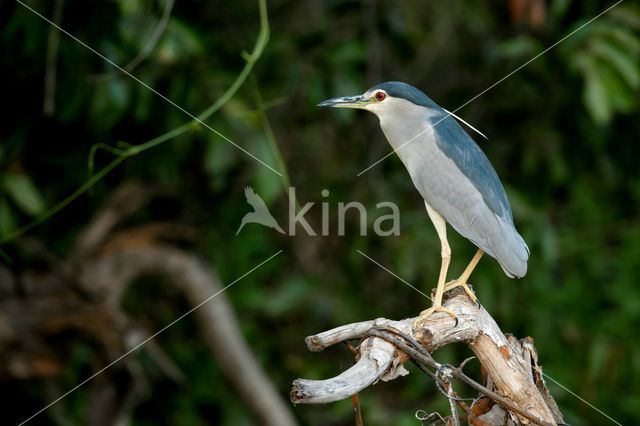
<point>516,392</point>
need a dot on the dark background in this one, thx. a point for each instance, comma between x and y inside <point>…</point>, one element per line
<point>563,136</point>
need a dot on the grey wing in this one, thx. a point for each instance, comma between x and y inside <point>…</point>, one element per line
<point>472,199</point>
<point>471,160</point>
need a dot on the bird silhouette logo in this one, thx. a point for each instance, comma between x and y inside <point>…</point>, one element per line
<point>260,213</point>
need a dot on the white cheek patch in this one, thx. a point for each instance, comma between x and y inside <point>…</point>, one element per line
<point>390,105</point>
<point>373,107</point>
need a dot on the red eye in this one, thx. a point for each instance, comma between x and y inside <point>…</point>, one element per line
<point>380,96</point>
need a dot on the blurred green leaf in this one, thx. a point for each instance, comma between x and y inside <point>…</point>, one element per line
<point>21,189</point>
<point>522,45</point>
<point>621,60</point>
<point>629,41</point>
<point>129,7</point>
<point>607,55</point>
<point>628,15</point>
<point>178,43</point>
<point>595,97</point>
<point>620,95</point>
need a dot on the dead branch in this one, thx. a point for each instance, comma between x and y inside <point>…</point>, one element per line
<point>51,306</point>
<point>124,201</point>
<point>513,386</point>
<point>217,319</point>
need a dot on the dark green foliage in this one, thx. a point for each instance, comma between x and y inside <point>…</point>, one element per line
<point>563,136</point>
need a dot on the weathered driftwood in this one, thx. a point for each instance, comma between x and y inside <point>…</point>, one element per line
<point>514,385</point>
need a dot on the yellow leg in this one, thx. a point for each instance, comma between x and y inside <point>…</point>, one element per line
<point>462,281</point>
<point>441,229</point>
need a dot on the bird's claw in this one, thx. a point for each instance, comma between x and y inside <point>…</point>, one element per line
<point>428,312</point>
<point>456,283</point>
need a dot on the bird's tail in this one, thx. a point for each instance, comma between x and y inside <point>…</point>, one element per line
<point>511,251</point>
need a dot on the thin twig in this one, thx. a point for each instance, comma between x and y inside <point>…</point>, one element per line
<point>422,356</point>
<point>148,47</point>
<point>270,135</point>
<point>423,416</point>
<point>155,37</point>
<point>442,383</point>
<point>251,59</point>
<point>357,410</point>
<point>452,404</point>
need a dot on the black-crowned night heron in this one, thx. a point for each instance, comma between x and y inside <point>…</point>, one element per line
<point>453,175</point>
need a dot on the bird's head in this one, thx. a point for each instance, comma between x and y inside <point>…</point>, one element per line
<point>385,98</point>
<point>396,102</point>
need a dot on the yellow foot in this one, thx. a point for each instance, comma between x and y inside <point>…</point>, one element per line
<point>428,312</point>
<point>456,283</point>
